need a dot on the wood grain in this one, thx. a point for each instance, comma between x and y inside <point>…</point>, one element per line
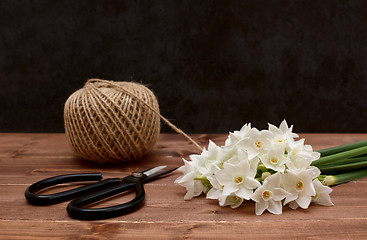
<point>26,158</point>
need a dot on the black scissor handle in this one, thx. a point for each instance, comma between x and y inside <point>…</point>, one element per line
<point>42,200</point>
<point>76,210</point>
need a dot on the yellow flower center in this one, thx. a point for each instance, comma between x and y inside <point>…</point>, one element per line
<point>299,185</point>
<point>266,194</point>
<point>238,179</point>
<point>258,144</point>
<point>274,160</point>
<point>280,140</point>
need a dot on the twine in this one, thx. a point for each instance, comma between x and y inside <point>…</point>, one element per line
<point>110,121</point>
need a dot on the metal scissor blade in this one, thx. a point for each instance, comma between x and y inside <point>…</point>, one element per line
<point>153,170</point>
<point>158,174</point>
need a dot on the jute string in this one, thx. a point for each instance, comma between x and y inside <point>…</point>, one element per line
<point>114,121</point>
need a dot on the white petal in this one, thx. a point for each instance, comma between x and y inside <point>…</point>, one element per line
<point>212,146</point>
<point>283,126</point>
<point>234,160</point>
<point>222,200</point>
<point>274,129</point>
<point>314,172</point>
<point>189,177</point>
<point>279,168</point>
<point>214,193</point>
<point>288,181</point>
<point>244,193</point>
<point>309,189</point>
<point>189,195</point>
<point>260,207</point>
<point>256,196</point>
<point>245,129</point>
<point>233,201</point>
<point>252,153</point>
<point>243,143</point>
<point>290,198</point>
<point>279,194</point>
<point>273,181</point>
<point>275,207</point>
<point>237,204</point>
<point>266,134</point>
<point>303,201</point>
<point>320,188</point>
<point>214,182</point>
<point>223,177</point>
<point>190,192</point>
<point>251,183</point>
<point>243,167</point>
<point>254,163</point>
<point>322,194</point>
<point>178,180</point>
<point>325,200</point>
<point>294,205</point>
<point>229,188</point>
<point>198,188</point>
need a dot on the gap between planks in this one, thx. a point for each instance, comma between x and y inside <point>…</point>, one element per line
<point>179,221</point>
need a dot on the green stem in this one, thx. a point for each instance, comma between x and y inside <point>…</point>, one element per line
<point>344,161</point>
<point>344,177</point>
<point>341,155</point>
<point>334,169</point>
<point>342,148</point>
<point>200,178</point>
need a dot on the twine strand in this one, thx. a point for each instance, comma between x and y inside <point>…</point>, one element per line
<point>174,127</point>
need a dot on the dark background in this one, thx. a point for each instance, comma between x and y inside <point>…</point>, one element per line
<point>214,65</point>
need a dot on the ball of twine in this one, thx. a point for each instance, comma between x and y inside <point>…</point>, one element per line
<point>109,121</point>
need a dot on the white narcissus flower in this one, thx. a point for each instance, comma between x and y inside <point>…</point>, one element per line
<point>242,155</point>
<point>236,136</point>
<point>270,195</point>
<point>216,192</point>
<point>282,135</point>
<point>193,187</point>
<point>256,142</point>
<point>237,179</point>
<point>299,184</point>
<point>300,155</point>
<point>209,159</point>
<point>322,196</point>
<point>232,200</point>
<point>274,159</point>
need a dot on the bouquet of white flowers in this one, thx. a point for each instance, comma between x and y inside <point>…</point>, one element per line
<point>271,168</point>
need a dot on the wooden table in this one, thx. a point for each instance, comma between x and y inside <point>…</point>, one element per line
<point>26,158</point>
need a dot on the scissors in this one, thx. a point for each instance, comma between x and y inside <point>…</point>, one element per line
<point>88,194</point>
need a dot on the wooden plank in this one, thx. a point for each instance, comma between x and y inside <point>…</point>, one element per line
<point>288,229</point>
<point>165,197</point>
<point>20,144</point>
<point>26,158</point>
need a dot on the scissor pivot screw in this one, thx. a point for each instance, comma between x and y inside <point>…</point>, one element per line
<point>137,174</point>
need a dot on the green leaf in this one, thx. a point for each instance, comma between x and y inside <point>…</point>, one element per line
<point>342,168</point>
<point>342,148</point>
<point>344,161</point>
<point>341,155</point>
